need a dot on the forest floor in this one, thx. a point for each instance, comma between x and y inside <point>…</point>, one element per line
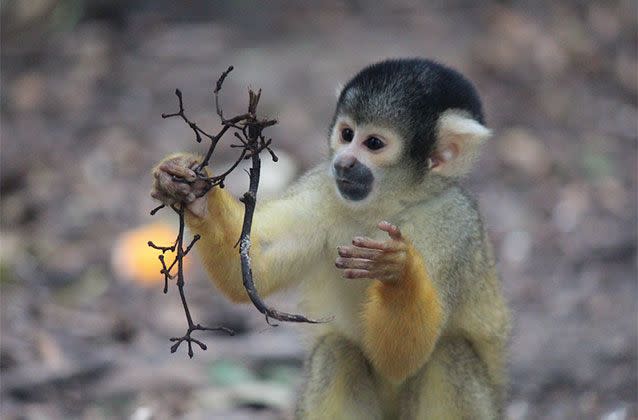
<point>81,129</point>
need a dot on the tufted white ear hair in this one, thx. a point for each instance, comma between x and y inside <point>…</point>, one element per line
<point>459,140</point>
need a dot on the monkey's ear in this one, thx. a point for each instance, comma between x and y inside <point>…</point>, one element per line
<point>459,140</point>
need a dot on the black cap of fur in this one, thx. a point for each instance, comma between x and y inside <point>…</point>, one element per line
<point>408,96</point>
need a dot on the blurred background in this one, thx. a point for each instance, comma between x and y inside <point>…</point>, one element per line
<point>85,325</point>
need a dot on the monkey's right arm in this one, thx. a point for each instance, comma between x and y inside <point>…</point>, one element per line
<point>284,241</point>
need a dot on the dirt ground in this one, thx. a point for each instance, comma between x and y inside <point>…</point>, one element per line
<point>83,87</point>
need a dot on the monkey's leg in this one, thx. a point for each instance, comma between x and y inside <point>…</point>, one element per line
<point>453,384</point>
<point>339,383</point>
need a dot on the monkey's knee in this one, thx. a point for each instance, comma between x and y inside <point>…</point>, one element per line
<point>454,384</point>
<point>339,383</point>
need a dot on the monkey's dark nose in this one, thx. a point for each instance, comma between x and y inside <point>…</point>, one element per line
<point>354,179</point>
<point>344,163</point>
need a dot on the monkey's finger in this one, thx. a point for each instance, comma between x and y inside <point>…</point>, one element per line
<point>167,186</point>
<point>167,191</point>
<point>392,230</point>
<point>355,252</point>
<point>194,163</point>
<point>386,246</point>
<point>178,170</point>
<point>183,189</point>
<point>356,274</point>
<point>200,187</point>
<point>353,263</point>
<point>163,198</point>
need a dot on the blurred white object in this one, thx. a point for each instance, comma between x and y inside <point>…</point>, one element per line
<point>516,246</point>
<point>571,208</point>
<point>142,413</point>
<point>617,414</point>
<point>275,176</point>
<point>517,410</point>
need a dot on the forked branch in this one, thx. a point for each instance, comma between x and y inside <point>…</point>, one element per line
<point>248,129</point>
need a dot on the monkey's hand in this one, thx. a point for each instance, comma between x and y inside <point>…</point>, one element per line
<point>175,181</point>
<point>370,259</point>
<point>402,307</point>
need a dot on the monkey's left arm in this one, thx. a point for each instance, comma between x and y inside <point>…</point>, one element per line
<point>404,313</point>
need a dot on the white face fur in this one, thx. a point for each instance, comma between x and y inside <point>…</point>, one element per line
<point>360,154</point>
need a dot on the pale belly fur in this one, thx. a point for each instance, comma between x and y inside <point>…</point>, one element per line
<point>328,295</point>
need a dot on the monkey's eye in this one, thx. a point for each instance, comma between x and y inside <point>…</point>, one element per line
<point>374,143</point>
<point>347,135</point>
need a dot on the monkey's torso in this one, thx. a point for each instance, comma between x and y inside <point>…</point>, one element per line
<point>444,224</point>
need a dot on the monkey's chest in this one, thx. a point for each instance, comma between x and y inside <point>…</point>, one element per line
<point>326,294</point>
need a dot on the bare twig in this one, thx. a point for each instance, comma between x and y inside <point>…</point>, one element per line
<point>181,253</point>
<point>248,130</point>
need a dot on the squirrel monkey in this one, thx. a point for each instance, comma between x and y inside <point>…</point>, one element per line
<point>382,238</point>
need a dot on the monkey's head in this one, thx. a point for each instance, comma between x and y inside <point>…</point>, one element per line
<point>398,122</point>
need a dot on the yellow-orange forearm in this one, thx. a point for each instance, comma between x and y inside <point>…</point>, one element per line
<point>284,242</point>
<point>219,231</point>
<point>402,321</point>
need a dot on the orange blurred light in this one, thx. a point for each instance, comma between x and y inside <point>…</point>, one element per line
<point>134,260</point>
